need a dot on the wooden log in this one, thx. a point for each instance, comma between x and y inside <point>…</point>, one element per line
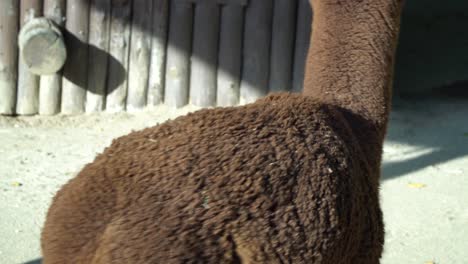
<point>119,51</point>
<point>222,2</point>
<point>28,83</point>
<point>204,55</point>
<point>178,53</point>
<point>99,27</point>
<point>51,85</point>
<point>42,46</point>
<point>76,67</point>
<point>230,55</point>
<point>158,52</point>
<point>140,55</point>
<point>303,31</point>
<point>256,57</point>
<point>282,45</point>
<point>55,10</point>
<point>9,16</point>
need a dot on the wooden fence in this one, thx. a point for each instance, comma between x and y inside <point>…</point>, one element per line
<point>131,54</point>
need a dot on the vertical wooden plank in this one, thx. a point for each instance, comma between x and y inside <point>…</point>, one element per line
<point>28,83</point>
<point>158,52</point>
<point>178,53</point>
<point>230,55</point>
<point>256,55</point>
<point>99,23</point>
<point>204,54</point>
<point>303,31</point>
<point>140,48</point>
<point>282,45</point>
<point>118,50</point>
<point>51,85</point>
<point>9,17</point>
<point>76,67</point>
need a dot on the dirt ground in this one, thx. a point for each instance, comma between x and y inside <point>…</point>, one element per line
<point>424,183</point>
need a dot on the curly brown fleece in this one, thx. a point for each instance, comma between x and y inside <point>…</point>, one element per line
<point>288,179</point>
<point>278,181</point>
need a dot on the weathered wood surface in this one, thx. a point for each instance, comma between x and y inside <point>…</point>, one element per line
<point>268,50</point>
<point>178,53</point>
<point>42,46</point>
<point>223,2</point>
<point>230,55</point>
<point>9,16</point>
<point>99,27</point>
<point>51,85</point>
<point>158,52</point>
<point>28,84</point>
<point>119,52</point>
<point>76,67</point>
<point>256,56</point>
<point>282,45</point>
<point>140,55</point>
<point>303,31</point>
<point>204,55</point>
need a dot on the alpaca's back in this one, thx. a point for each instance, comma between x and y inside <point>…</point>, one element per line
<point>277,181</point>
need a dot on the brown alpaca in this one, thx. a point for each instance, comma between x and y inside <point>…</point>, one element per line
<point>288,179</point>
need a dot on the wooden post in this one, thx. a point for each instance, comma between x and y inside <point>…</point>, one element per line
<point>282,45</point>
<point>28,83</point>
<point>303,30</point>
<point>230,55</point>
<point>118,60</point>
<point>9,17</point>
<point>140,54</point>
<point>158,52</point>
<point>76,67</point>
<point>178,53</point>
<point>51,85</point>
<point>222,2</point>
<point>257,37</point>
<point>204,54</point>
<point>99,24</point>
<point>42,47</point>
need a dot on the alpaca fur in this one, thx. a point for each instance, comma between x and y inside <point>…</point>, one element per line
<point>288,179</point>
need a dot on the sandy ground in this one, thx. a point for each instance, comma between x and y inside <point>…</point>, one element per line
<point>424,183</point>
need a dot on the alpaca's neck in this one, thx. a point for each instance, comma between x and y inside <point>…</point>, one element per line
<point>350,61</point>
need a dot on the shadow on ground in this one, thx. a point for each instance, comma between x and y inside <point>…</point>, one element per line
<point>434,124</point>
<point>35,261</point>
